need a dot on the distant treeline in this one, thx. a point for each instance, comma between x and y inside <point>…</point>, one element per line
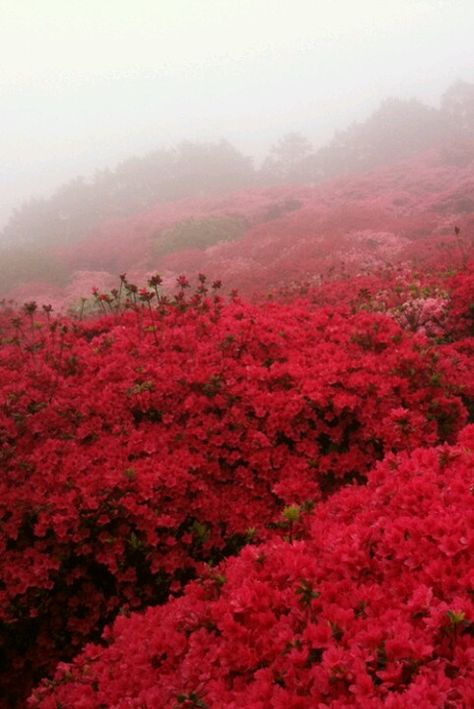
<point>398,129</point>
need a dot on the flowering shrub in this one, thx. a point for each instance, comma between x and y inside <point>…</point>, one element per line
<point>424,315</point>
<point>264,239</point>
<point>462,303</point>
<point>373,608</point>
<point>141,444</point>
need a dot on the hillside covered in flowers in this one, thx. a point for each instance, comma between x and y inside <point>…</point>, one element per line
<point>241,473</point>
<point>265,239</point>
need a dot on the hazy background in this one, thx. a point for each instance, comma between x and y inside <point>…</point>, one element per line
<point>85,84</point>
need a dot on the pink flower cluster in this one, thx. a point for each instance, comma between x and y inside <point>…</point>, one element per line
<point>427,316</point>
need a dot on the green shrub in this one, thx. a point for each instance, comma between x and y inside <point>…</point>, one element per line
<point>200,233</point>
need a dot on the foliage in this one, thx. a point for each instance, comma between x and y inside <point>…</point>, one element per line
<point>199,233</point>
<point>287,159</point>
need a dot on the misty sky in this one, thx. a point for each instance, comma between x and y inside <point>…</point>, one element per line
<point>86,83</point>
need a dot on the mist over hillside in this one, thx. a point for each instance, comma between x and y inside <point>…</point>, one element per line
<point>114,221</point>
<point>397,129</point>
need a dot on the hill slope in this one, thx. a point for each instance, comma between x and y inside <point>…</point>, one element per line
<point>267,239</point>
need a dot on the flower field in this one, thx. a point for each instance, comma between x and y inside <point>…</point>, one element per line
<point>210,500</point>
<point>267,239</point>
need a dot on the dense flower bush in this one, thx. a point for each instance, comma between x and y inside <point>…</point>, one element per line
<point>374,607</point>
<point>139,445</point>
<point>425,315</point>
